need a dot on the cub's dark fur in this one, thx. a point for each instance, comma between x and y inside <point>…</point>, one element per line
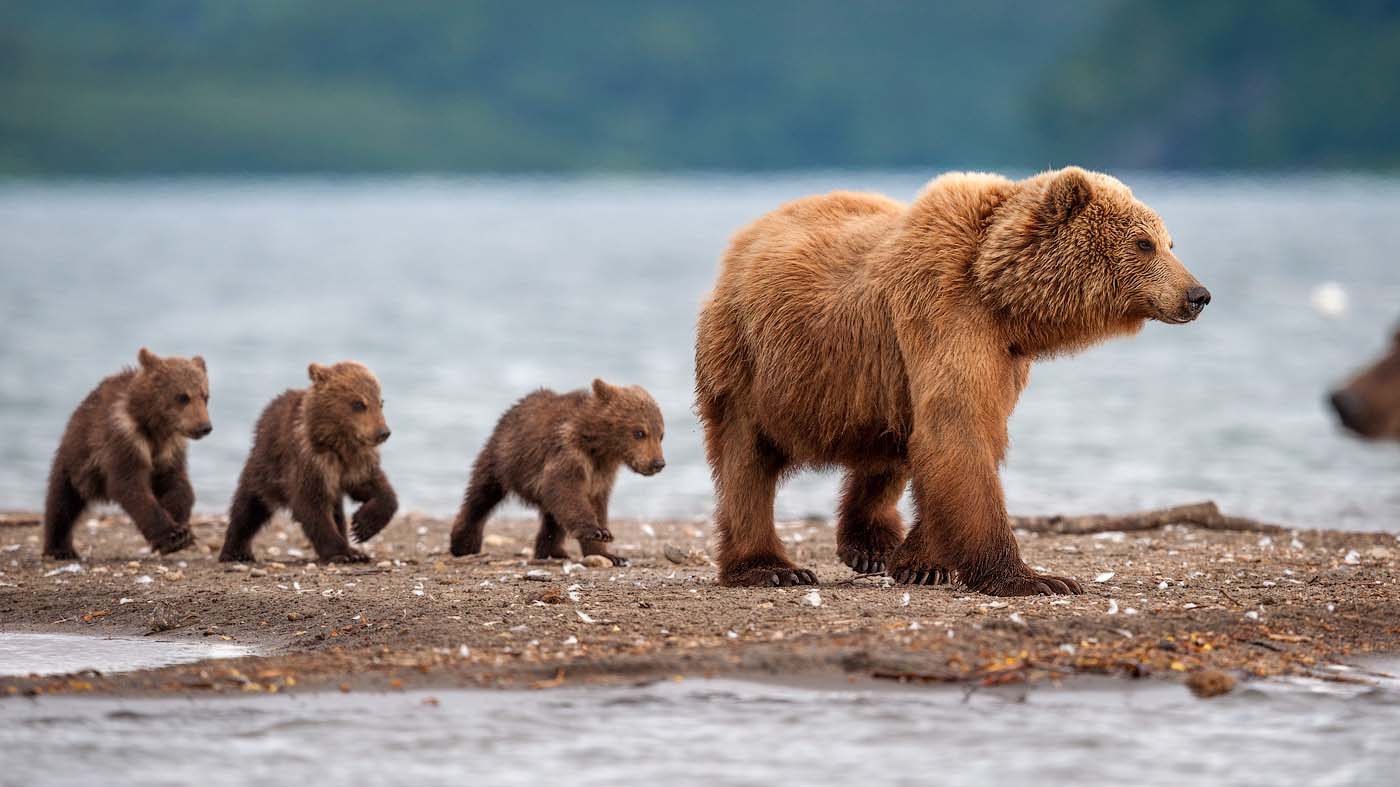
<point>560,454</point>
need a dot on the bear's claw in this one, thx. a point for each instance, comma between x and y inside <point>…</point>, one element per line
<point>67,553</point>
<point>237,556</point>
<point>352,556</point>
<point>771,576</point>
<point>1030,584</point>
<point>863,562</point>
<point>927,576</point>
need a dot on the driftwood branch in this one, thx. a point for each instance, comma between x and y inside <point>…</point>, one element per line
<point>1204,515</point>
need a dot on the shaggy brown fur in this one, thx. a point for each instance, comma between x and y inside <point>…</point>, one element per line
<point>894,341</point>
<point>1369,405</point>
<point>560,454</point>
<point>126,443</point>
<point>312,447</point>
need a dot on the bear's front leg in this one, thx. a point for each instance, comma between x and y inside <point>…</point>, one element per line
<point>131,489</point>
<point>962,525</point>
<point>315,513</point>
<point>175,494</point>
<point>600,511</point>
<point>564,496</point>
<point>378,504</point>
<point>869,527</point>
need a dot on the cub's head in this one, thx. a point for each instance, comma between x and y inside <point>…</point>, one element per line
<point>1369,405</point>
<point>1073,257</point>
<point>344,407</point>
<point>170,396</point>
<point>629,421</point>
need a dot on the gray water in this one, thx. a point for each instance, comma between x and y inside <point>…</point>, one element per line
<point>718,732</point>
<point>465,294</point>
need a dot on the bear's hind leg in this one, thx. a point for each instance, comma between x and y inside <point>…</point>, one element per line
<point>869,527</point>
<point>61,511</point>
<point>549,541</point>
<point>746,468</point>
<point>246,517</point>
<point>484,492</point>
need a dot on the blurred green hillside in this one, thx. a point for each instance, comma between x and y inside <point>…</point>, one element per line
<point>212,86</point>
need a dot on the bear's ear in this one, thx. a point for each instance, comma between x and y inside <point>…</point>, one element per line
<point>198,360</point>
<point>1069,192</point>
<point>602,390</point>
<point>318,373</point>
<point>148,359</point>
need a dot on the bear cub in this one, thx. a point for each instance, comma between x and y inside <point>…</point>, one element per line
<point>311,447</point>
<point>560,454</point>
<point>126,443</point>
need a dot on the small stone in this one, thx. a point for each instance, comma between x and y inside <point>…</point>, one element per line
<point>1209,683</point>
<point>494,540</point>
<point>257,572</point>
<point>538,575</point>
<point>675,554</point>
<point>596,561</point>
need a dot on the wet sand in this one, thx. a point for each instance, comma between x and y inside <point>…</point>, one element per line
<point>1170,602</point>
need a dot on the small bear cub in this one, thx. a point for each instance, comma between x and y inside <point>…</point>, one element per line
<point>560,453</point>
<point>126,443</point>
<point>311,447</point>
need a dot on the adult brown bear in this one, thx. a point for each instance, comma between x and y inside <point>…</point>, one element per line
<point>892,340</point>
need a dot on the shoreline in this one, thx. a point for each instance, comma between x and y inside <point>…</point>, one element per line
<point>1168,602</point>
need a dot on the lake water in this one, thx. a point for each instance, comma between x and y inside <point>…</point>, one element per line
<point>719,732</point>
<point>38,653</point>
<point>465,294</point>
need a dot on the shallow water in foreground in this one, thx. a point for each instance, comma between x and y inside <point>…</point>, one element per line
<point>25,653</point>
<point>718,732</point>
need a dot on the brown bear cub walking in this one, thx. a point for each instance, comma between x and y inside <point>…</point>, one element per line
<point>312,447</point>
<point>560,454</point>
<point>1369,405</point>
<point>894,340</point>
<point>126,443</point>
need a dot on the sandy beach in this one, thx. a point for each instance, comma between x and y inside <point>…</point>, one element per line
<point>1162,603</point>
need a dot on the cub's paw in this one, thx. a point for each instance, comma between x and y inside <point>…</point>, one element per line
<point>351,555</point>
<point>617,560</point>
<point>864,560</point>
<point>768,576</point>
<point>1027,583</point>
<point>61,553</point>
<point>174,541</point>
<point>365,528</point>
<point>464,547</point>
<point>236,555</point>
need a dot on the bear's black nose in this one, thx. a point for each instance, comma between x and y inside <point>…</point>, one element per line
<point>382,435</point>
<point>657,465</point>
<point>1198,297</point>
<point>1351,410</point>
<point>203,429</point>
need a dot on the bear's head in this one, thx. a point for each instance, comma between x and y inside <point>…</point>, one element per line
<point>1369,405</point>
<point>170,396</point>
<point>344,410</point>
<point>1072,257</point>
<point>626,424</point>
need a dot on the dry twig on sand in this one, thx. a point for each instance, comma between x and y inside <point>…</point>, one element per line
<point>1205,515</point>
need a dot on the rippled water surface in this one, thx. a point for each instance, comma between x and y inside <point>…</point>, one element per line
<point>464,295</point>
<point>717,733</point>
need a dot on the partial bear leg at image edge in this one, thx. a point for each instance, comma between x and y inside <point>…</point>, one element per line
<point>869,527</point>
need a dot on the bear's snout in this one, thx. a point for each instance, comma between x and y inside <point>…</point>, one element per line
<point>202,430</point>
<point>657,465</point>
<point>381,435</point>
<point>1353,411</point>
<point>1197,298</point>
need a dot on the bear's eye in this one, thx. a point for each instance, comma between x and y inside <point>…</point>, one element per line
<point>359,406</point>
<point>183,399</point>
<point>640,434</point>
<point>1146,246</point>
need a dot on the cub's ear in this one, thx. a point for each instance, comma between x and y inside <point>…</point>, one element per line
<point>318,373</point>
<point>602,390</point>
<point>198,360</point>
<point>1069,193</point>
<point>148,359</point>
